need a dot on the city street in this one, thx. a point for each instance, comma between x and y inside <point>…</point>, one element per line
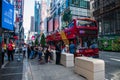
<point>112,64</point>
<point>44,29</point>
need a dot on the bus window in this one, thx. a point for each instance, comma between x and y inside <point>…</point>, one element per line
<point>87,23</point>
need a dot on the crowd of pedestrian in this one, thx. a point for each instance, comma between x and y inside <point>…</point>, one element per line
<point>8,51</point>
<point>42,53</point>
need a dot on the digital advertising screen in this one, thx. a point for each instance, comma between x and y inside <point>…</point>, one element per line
<point>7,15</point>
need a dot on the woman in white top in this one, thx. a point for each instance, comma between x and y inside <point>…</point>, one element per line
<point>65,49</point>
<point>24,51</point>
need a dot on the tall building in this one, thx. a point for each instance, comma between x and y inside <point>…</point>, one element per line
<point>43,22</point>
<point>37,17</point>
<point>32,27</point>
<point>107,13</point>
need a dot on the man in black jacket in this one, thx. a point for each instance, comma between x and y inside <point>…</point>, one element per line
<point>58,52</point>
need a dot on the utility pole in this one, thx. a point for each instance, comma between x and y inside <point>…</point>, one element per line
<point>19,40</point>
<point>19,44</point>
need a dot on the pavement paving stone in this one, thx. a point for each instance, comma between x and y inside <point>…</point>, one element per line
<point>12,77</point>
<point>26,71</point>
<point>51,71</point>
<point>13,70</point>
<point>14,64</point>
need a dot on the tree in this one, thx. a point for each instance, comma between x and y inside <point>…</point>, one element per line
<point>42,41</point>
<point>36,41</point>
<point>67,17</point>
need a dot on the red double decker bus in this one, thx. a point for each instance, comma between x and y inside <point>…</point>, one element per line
<point>84,33</point>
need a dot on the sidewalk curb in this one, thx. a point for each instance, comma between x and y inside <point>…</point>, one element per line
<point>27,71</point>
<point>30,69</point>
<point>5,63</point>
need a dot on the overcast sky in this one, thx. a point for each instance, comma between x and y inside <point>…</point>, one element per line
<point>28,12</point>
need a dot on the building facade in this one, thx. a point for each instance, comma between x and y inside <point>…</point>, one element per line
<point>91,9</point>
<point>43,22</point>
<point>78,8</point>
<point>32,27</point>
<point>107,13</point>
<point>11,20</point>
<point>19,11</point>
<point>37,17</point>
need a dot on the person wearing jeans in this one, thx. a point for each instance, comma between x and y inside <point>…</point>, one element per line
<point>32,52</point>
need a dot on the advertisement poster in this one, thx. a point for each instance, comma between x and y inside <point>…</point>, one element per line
<point>7,15</point>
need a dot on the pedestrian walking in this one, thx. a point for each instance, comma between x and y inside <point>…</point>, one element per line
<point>24,51</point>
<point>10,51</point>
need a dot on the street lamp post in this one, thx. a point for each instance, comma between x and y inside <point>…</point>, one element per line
<point>19,44</point>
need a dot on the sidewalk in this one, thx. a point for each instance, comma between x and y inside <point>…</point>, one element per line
<point>12,70</point>
<point>50,71</point>
<point>33,70</point>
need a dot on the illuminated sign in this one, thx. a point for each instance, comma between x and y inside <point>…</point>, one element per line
<point>7,15</point>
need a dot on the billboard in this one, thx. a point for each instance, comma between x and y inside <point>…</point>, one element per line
<point>7,15</point>
<point>56,23</point>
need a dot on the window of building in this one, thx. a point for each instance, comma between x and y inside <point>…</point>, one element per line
<point>118,21</point>
<point>71,24</point>
<point>84,4</point>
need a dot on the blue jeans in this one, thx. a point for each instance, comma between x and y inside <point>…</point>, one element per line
<point>32,54</point>
<point>40,54</point>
